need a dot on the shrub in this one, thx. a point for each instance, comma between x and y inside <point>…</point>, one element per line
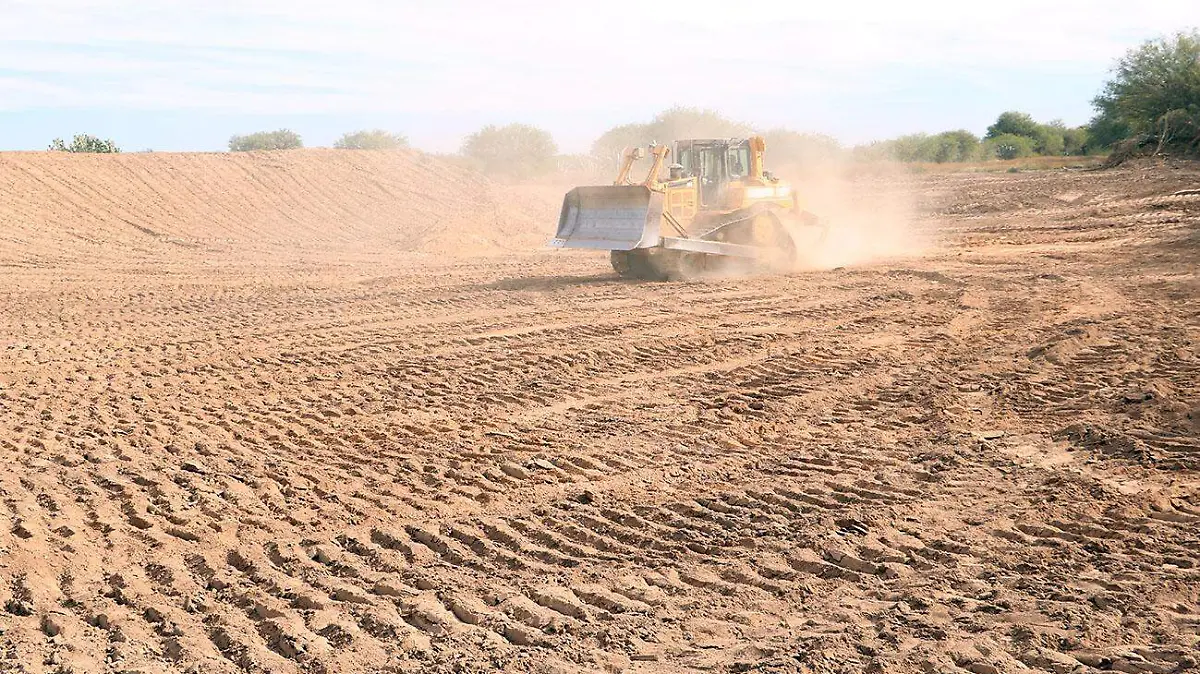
<point>952,146</point>
<point>908,148</point>
<point>1178,127</point>
<point>948,146</point>
<point>85,143</point>
<point>1048,138</point>
<point>668,126</point>
<point>374,139</point>
<point>513,151</point>
<point>1009,146</point>
<point>282,139</point>
<point>1013,123</point>
<point>1075,141</point>
<point>680,122</point>
<point>1106,130</point>
<point>784,146</point>
<point>1155,91</point>
<point>608,146</point>
<point>800,149</point>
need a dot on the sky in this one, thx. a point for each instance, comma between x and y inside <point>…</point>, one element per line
<point>187,74</point>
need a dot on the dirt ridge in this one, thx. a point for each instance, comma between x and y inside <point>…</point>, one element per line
<point>54,204</point>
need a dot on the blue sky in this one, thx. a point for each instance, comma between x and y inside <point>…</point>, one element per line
<point>187,74</point>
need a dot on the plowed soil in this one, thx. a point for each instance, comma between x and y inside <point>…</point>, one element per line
<point>62,207</point>
<point>254,419</point>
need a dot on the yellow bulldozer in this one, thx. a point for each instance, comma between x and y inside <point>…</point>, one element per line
<point>718,210</point>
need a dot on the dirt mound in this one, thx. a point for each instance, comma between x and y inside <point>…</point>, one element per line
<point>56,204</point>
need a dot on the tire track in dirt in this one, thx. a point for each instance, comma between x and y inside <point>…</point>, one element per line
<point>354,461</point>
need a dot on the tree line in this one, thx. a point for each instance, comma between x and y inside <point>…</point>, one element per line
<point>1014,135</point>
<point>1152,99</point>
<point>283,139</point>
<point>286,139</point>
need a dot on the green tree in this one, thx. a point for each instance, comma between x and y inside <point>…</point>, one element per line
<point>283,139</point>
<point>513,151</point>
<point>373,139</point>
<point>1154,91</point>
<point>951,146</point>
<point>1106,129</point>
<point>1015,123</point>
<point>1075,141</point>
<point>85,143</point>
<point>948,146</point>
<point>1010,146</point>
<point>959,145</point>
<point>910,148</point>
<point>1048,138</point>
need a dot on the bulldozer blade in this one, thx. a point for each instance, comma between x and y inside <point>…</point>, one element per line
<point>612,217</point>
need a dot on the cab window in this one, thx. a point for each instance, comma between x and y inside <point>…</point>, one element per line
<point>713,168</point>
<point>686,160</point>
<point>739,161</point>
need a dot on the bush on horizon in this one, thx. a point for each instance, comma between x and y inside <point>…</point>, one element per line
<point>283,139</point>
<point>514,151</point>
<point>371,139</point>
<point>84,143</point>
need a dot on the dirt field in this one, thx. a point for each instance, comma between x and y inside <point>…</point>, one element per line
<point>290,433</point>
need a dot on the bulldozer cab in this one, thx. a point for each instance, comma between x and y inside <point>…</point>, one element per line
<point>715,163</point>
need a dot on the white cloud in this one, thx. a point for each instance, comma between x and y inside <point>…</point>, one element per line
<point>523,59</point>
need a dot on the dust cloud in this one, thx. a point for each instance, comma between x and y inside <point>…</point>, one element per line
<point>867,218</point>
<point>868,210</point>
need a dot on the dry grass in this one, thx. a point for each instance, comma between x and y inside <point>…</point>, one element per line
<point>851,169</point>
<point>998,165</point>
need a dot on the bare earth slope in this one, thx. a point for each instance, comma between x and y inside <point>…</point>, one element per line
<point>59,206</point>
<point>981,460</point>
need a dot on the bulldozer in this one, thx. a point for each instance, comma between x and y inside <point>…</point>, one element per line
<point>717,211</point>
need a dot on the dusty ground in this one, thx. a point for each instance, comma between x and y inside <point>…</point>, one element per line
<point>314,456</point>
